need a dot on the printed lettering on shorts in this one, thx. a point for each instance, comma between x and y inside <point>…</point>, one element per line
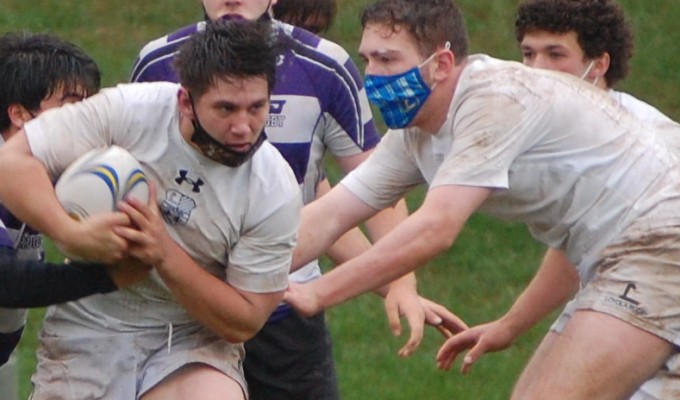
<point>627,300</point>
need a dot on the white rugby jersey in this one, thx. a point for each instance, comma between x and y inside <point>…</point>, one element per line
<point>318,103</point>
<point>238,223</point>
<point>561,155</point>
<point>667,129</point>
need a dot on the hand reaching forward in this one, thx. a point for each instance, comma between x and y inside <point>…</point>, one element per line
<point>418,311</point>
<point>480,339</point>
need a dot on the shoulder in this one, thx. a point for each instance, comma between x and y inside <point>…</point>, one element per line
<point>271,174</point>
<point>162,50</point>
<point>310,47</point>
<point>644,111</point>
<point>132,94</point>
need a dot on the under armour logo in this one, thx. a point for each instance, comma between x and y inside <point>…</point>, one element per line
<point>195,183</point>
<point>624,296</point>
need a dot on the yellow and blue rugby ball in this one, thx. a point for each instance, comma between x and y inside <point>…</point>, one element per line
<point>98,180</point>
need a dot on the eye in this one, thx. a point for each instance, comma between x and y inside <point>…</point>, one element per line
<point>527,54</point>
<point>258,107</point>
<point>555,55</point>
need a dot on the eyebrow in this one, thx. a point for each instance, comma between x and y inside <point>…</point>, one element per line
<point>548,47</point>
<point>76,95</point>
<point>379,53</point>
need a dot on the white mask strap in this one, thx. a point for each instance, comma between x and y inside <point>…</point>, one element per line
<point>590,67</point>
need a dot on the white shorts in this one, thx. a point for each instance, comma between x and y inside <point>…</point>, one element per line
<point>638,281</point>
<point>91,362</point>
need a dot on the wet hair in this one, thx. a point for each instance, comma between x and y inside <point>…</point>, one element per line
<point>313,15</point>
<point>432,23</point>
<point>226,50</point>
<point>34,65</point>
<point>600,26</point>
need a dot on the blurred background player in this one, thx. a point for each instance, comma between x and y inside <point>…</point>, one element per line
<point>37,72</point>
<point>318,105</point>
<point>314,15</point>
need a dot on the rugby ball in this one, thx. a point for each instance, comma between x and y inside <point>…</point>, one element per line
<point>98,180</point>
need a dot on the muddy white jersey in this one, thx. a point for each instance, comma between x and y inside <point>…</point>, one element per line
<point>240,224</point>
<point>560,155</point>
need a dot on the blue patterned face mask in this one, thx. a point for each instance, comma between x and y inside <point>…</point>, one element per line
<point>399,97</point>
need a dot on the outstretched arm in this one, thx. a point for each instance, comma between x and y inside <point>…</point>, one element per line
<point>555,282</point>
<point>423,235</point>
<point>25,284</point>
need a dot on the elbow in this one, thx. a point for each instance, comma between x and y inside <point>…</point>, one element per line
<point>240,334</point>
<point>440,233</point>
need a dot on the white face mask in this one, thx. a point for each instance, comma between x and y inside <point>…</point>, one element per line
<point>587,71</point>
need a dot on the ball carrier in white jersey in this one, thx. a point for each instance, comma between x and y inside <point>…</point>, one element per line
<point>220,239</point>
<point>586,176</point>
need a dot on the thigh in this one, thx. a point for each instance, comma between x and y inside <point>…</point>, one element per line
<point>196,381</point>
<point>534,365</point>
<point>291,359</point>
<point>598,356</point>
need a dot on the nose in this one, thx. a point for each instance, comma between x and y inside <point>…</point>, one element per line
<point>370,69</point>
<point>240,124</point>
<point>539,61</point>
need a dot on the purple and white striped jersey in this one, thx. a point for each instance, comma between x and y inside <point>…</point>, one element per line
<point>318,103</point>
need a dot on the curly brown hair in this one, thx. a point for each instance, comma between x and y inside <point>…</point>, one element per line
<point>600,25</point>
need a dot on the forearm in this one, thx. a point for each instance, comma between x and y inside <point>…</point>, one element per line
<point>400,252</point>
<point>36,203</point>
<point>555,282</point>
<point>216,304</point>
<point>324,221</point>
<point>429,231</point>
<point>354,243</point>
<point>25,284</point>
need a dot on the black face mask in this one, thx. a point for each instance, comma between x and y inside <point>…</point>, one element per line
<point>217,151</point>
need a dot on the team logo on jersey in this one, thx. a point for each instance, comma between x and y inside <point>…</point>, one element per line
<point>276,117</point>
<point>196,183</point>
<point>176,208</point>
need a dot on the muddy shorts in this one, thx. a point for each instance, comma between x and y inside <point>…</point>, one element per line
<point>638,281</point>
<point>91,364</point>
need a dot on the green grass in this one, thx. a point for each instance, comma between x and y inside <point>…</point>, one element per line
<point>490,263</point>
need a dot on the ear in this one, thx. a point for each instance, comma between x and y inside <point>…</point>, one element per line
<point>443,64</point>
<point>600,67</point>
<point>184,103</point>
<point>19,115</point>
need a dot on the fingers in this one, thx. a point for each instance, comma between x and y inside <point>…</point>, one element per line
<point>452,347</point>
<point>393,316</point>
<point>446,322</point>
<point>472,356</point>
<point>416,325</point>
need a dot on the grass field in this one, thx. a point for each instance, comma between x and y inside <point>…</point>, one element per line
<point>490,263</point>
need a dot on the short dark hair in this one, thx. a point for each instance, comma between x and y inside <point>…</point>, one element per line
<point>227,49</point>
<point>314,15</point>
<point>432,23</point>
<point>34,65</point>
<point>600,26</point>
